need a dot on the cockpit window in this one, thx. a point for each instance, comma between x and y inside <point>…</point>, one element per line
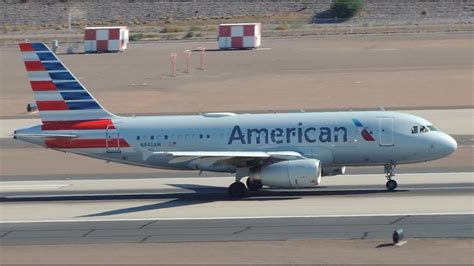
<point>423,129</point>
<point>432,128</point>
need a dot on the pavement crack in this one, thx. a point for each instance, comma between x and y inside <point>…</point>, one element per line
<point>90,231</point>
<point>4,235</point>
<point>241,231</point>
<point>144,239</point>
<point>146,224</point>
<point>365,235</point>
<point>399,219</point>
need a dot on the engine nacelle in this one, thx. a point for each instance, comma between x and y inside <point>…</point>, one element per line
<point>289,174</point>
<point>329,171</point>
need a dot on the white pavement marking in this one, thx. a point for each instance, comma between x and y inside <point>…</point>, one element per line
<point>401,243</point>
<point>384,49</point>
<point>239,217</point>
<point>91,185</point>
<point>405,180</point>
<point>32,186</point>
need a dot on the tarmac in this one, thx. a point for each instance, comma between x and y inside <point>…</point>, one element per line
<point>348,219</point>
<point>240,229</point>
<point>63,208</point>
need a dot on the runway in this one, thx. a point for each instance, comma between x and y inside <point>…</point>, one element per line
<point>198,209</point>
<point>245,229</point>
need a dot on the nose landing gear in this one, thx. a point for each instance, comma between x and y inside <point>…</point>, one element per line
<point>391,184</point>
<point>238,189</point>
<point>389,173</point>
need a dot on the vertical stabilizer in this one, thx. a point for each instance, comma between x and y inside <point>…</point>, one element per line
<point>60,97</point>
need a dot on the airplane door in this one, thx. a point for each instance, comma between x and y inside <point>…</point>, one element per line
<point>386,131</point>
<point>112,139</point>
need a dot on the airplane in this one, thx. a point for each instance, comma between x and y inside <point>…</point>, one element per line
<point>280,150</point>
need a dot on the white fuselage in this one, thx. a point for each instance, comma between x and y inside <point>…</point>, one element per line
<point>334,138</point>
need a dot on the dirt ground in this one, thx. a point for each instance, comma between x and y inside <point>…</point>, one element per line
<point>415,251</point>
<point>313,73</point>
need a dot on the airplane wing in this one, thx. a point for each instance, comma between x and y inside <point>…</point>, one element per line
<point>237,158</point>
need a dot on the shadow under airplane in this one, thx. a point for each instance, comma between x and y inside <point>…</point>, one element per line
<point>209,194</point>
<point>198,194</point>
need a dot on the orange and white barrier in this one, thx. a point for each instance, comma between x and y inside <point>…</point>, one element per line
<point>240,35</point>
<point>105,39</point>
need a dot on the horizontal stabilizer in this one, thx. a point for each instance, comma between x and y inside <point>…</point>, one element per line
<point>43,136</point>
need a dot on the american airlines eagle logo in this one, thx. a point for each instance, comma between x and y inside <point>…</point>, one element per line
<point>364,130</point>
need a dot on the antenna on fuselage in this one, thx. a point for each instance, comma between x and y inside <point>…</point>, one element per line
<point>381,108</point>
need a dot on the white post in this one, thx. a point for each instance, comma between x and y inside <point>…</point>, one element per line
<point>55,45</point>
<point>203,50</point>
<point>69,26</point>
<point>188,60</point>
<point>173,64</point>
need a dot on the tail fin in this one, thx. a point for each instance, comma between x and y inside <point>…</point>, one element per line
<point>60,97</point>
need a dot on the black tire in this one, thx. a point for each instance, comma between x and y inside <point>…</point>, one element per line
<point>237,190</point>
<point>252,186</point>
<point>391,185</point>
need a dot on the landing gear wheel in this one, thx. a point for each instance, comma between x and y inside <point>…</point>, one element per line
<point>237,190</point>
<point>391,185</point>
<point>253,186</point>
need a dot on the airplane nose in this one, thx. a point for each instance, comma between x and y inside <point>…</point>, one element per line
<point>449,144</point>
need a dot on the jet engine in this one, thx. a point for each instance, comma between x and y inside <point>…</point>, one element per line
<point>329,171</point>
<point>289,174</point>
<point>31,108</point>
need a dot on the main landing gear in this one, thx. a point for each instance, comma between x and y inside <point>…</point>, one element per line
<point>389,173</point>
<point>238,189</point>
<point>252,185</point>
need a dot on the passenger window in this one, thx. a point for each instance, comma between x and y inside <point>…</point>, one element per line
<point>138,137</point>
<point>152,137</point>
<point>166,136</point>
<point>414,130</point>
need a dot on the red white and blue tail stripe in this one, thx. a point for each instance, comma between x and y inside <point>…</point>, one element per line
<point>60,97</point>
